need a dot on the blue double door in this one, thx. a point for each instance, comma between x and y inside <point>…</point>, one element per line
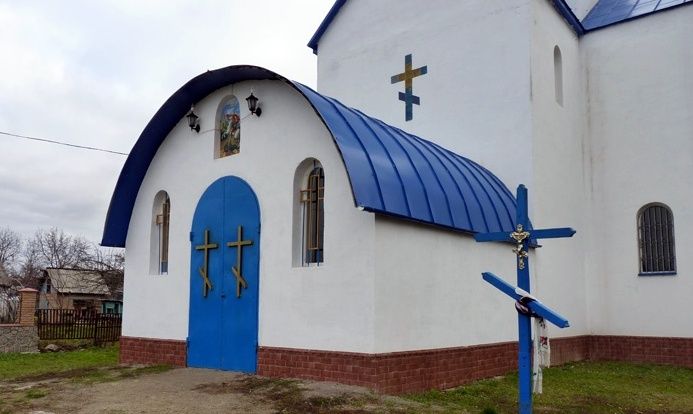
<point>224,276</point>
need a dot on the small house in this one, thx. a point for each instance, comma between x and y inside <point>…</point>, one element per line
<point>80,289</point>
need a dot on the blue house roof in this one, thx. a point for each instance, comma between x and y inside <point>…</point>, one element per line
<point>390,171</point>
<point>604,13</point>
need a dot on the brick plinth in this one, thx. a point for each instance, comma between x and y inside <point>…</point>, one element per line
<point>656,350</point>
<point>152,351</point>
<point>401,372</point>
<point>575,348</point>
<point>393,373</point>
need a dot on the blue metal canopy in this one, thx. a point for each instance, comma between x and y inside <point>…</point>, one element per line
<point>390,171</point>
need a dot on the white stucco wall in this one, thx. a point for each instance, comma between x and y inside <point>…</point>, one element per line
<point>641,124</point>
<point>475,96</point>
<point>429,292</point>
<point>560,196</point>
<point>327,307</point>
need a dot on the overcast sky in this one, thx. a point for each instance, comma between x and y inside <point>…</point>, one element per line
<point>94,72</point>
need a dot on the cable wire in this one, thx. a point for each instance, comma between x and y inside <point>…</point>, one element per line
<point>63,143</point>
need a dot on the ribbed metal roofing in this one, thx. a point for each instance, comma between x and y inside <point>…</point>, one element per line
<point>390,171</point>
<point>608,12</point>
<point>397,173</point>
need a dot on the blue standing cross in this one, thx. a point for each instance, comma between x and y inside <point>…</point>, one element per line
<point>527,305</point>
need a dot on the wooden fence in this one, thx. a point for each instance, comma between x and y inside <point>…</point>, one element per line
<point>78,324</point>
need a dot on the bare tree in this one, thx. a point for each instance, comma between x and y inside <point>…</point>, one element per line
<point>55,248</point>
<point>10,247</point>
<point>30,267</point>
<point>107,259</point>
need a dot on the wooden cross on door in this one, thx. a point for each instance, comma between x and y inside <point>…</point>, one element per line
<point>206,283</point>
<point>238,269</point>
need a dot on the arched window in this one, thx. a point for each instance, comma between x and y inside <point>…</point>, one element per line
<point>161,219</point>
<point>309,214</point>
<point>558,74</point>
<point>228,133</point>
<point>656,240</point>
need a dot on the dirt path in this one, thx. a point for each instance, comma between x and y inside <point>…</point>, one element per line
<point>190,390</point>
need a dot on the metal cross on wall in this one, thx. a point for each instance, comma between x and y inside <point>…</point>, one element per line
<point>408,76</point>
<point>526,304</point>
<point>238,269</point>
<point>206,283</point>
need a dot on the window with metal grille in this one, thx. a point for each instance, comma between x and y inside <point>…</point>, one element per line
<point>656,240</point>
<point>312,200</point>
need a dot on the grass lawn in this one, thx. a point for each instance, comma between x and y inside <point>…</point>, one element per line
<point>81,367</point>
<point>586,387</point>
<point>14,366</point>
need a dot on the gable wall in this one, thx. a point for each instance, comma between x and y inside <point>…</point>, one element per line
<point>314,308</point>
<point>561,196</point>
<point>641,123</point>
<point>475,97</point>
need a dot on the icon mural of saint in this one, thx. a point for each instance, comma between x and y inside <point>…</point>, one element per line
<point>230,128</point>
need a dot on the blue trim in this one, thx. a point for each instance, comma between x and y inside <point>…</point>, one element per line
<point>313,43</point>
<point>560,5</point>
<point>570,17</point>
<point>590,23</point>
<point>141,155</point>
<point>390,171</point>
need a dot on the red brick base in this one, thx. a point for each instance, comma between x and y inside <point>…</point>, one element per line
<point>393,373</point>
<point>152,351</point>
<point>670,351</point>
<point>401,372</point>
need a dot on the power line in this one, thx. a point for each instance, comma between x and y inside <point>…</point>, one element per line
<point>62,143</point>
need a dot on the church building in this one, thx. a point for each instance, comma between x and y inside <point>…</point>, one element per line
<point>274,229</point>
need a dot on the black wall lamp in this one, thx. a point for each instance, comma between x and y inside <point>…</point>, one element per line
<point>193,120</point>
<point>252,104</point>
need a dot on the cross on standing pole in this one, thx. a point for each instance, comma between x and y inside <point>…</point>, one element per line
<point>522,237</point>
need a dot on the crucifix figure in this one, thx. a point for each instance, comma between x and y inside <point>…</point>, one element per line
<point>527,305</point>
<point>408,76</point>
<point>206,283</point>
<point>238,269</point>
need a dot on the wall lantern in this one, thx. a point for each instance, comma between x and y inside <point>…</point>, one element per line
<point>252,104</point>
<point>193,120</point>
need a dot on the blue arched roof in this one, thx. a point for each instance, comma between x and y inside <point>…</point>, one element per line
<point>390,171</point>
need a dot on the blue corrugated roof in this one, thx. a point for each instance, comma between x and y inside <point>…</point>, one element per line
<point>609,12</point>
<point>390,171</point>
